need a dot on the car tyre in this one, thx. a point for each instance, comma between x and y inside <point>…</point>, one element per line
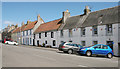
<point>70,51</point>
<point>109,55</point>
<point>88,53</point>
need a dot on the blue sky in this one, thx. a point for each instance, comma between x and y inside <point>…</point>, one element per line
<point>16,12</point>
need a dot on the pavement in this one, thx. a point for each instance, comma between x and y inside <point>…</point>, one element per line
<point>31,56</point>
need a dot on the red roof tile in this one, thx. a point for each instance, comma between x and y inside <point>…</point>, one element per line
<point>19,29</point>
<point>30,26</point>
<point>16,30</point>
<point>52,25</point>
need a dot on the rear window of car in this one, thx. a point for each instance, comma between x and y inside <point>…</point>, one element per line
<point>70,44</point>
<point>62,43</point>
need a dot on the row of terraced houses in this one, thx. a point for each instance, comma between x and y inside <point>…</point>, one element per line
<point>90,28</point>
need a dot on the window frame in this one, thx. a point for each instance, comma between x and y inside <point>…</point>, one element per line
<point>109,29</point>
<point>30,31</point>
<point>95,30</point>
<point>61,33</point>
<point>83,31</point>
<point>70,33</point>
<point>40,35</point>
<point>45,34</point>
<point>84,43</point>
<point>52,34</point>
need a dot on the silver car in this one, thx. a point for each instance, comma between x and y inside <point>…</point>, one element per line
<point>68,47</point>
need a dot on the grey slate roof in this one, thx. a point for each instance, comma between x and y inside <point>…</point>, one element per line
<point>74,21</point>
<point>102,17</point>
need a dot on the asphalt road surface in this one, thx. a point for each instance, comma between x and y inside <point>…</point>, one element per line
<point>20,56</point>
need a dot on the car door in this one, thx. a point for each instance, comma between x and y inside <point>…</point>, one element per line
<point>101,50</point>
<point>75,47</point>
<point>104,50</point>
<point>97,49</point>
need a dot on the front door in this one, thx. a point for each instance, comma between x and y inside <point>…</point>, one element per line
<point>110,43</point>
<point>37,42</point>
<point>33,42</point>
<point>118,49</point>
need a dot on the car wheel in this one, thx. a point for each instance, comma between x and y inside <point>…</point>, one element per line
<point>88,53</point>
<point>109,55</point>
<point>70,51</point>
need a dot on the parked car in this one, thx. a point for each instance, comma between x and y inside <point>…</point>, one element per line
<point>11,42</point>
<point>99,49</point>
<point>68,47</point>
<point>0,41</point>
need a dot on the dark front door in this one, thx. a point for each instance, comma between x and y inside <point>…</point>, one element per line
<point>118,49</point>
<point>110,43</point>
<point>33,42</point>
<point>37,42</point>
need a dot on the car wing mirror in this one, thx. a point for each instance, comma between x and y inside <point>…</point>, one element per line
<point>95,47</point>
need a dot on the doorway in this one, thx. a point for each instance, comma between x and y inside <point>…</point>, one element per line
<point>37,42</point>
<point>119,49</point>
<point>33,42</point>
<point>54,43</point>
<point>110,43</point>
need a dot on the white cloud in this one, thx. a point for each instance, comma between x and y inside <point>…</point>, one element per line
<point>8,22</point>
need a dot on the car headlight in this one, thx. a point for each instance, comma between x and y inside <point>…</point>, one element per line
<point>83,49</point>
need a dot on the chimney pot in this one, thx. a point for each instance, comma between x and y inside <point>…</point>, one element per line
<point>87,10</point>
<point>66,14</point>
<point>28,21</point>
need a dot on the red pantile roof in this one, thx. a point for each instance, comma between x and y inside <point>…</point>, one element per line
<point>30,26</point>
<point>19,29</point>
<point>52,25</point>
<point>16,30</point>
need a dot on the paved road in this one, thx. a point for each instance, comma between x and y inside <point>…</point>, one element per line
<point>20,56</point>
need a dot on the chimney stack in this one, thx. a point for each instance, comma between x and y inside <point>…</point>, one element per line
<point>22,23</point>
<point>66,14</point>
<point>28,22</point>
<point>8,26</point>
<point>87,10</point>
<point>16,25</point>
<point>38,17</point>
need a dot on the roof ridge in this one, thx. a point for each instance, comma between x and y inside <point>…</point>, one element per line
<point>104,9</point>
<point>51,21</point>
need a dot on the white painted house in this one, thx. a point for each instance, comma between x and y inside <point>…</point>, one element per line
<point>99,27</point>
<point>47,33</point>
<point>27,33</point>
<point>90,28</point>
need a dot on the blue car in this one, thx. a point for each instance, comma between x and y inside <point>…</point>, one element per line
<point>99,49</point>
